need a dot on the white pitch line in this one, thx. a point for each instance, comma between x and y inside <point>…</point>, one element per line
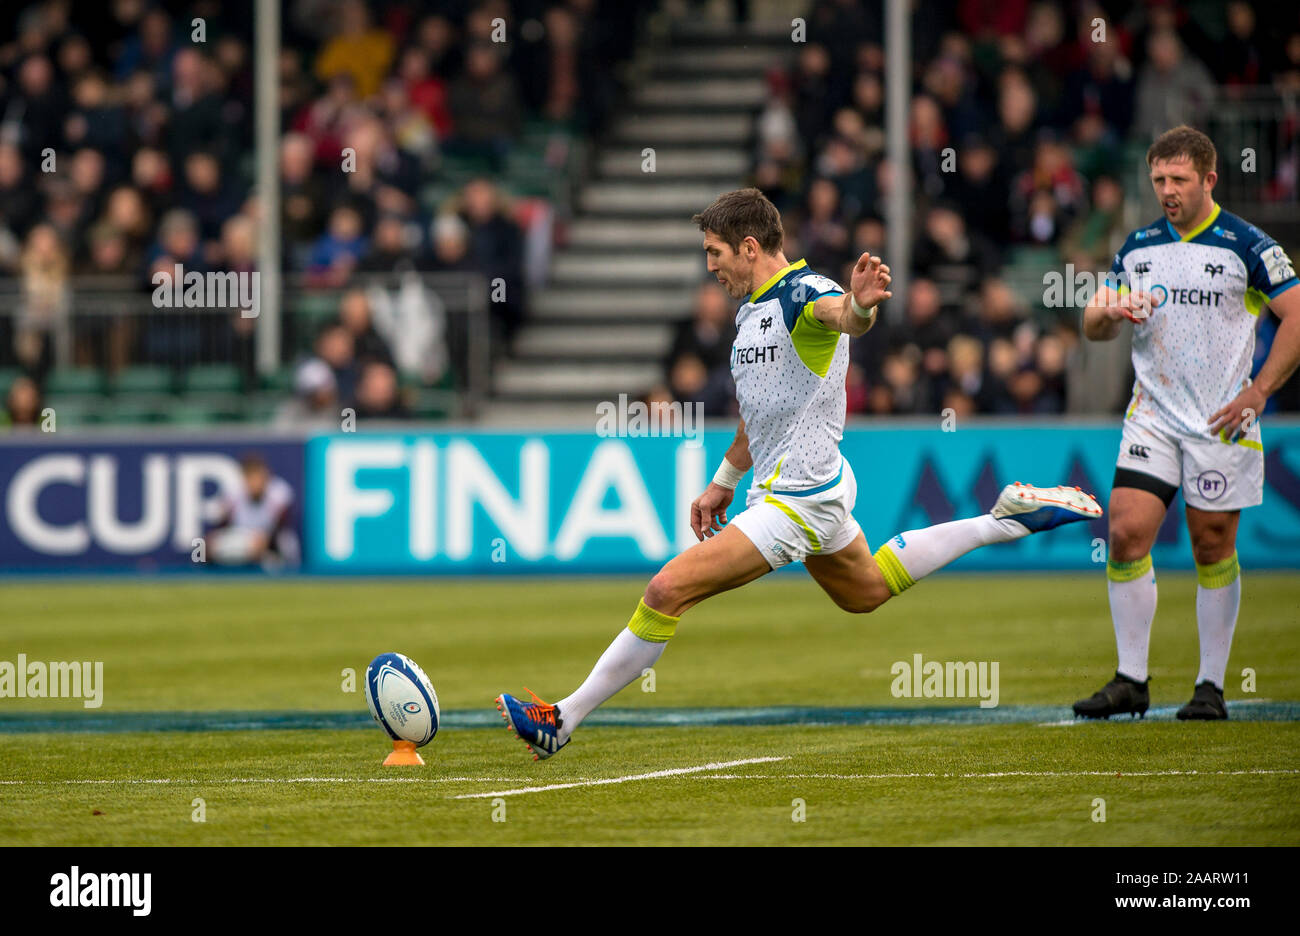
<point>1002,774</point>
<point>192,781</point>
<point>653,775</point>
<point>700,773</point>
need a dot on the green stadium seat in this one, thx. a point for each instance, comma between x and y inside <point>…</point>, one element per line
<point>75,410</point>
<point>138,408</point>
<point>212,378</point>
<point>192,413</point>
<point>278,381</point>
<point>86,381</point>
<point>142,379</point>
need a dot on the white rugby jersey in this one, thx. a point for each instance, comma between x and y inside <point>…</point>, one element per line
<point>789,370</point>
<point>1193,355</point>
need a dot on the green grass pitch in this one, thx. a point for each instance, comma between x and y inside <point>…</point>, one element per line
<point>271,646</point>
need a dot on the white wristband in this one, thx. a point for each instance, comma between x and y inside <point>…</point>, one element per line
<point>858,310</point>
<point>727,475</point>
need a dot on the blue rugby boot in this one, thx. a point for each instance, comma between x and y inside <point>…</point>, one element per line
<point>535,723</point>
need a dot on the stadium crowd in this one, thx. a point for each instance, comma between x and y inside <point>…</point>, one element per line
<point>126,148</point>
<point>1035,116</point>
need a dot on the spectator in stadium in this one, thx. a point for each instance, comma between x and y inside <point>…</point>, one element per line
<point>690,382</point>
<point>389,249</point>
<point>20,202</point>
<point>303,194</point>
<point>22,405</point>
<point>334,347</point>
<point>450,245</point>
<point>359,49</point>
<point>40,100</point>
<point>824,235</point>
<point>315,403</point>
<point>709,332</point>
<point>232,339</point>
<point>127,213</point>
<point>425,89</point>
<point>355,317</point>
<point>41,327</point>
<point>1090,241</point>
<point>1102,88</point>
<point>953,257</point>
<point>97,121</point>
<point>485,107</point>
<point>497,248</point>
<point>981,192</point>
<point>336,252</point>
<point>1173,87</point>
<point>196,120</point>
<point>378,394</point>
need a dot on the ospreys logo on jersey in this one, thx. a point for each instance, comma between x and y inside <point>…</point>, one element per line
<point>765,324</point>
<point>1213,269</point>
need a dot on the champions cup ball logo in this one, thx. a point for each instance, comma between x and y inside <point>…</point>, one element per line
<point>412,707</point>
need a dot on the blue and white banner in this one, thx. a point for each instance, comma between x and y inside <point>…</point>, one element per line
<point>121,505</point>
<point>470,502</point>
<point>474,502</point>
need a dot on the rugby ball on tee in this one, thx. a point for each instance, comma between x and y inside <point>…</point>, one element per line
<point>402,699</point>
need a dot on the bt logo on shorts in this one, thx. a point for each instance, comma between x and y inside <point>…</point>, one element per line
<point>1139,451</point>
<point>1211,484</point>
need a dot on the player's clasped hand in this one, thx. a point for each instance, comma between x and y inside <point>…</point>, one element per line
<point>709,511</point>
<point>1233,418</point>
<point>1134,306</point>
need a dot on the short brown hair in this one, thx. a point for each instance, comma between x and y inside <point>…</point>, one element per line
<point>1186,143</point>
<point>746,212</point>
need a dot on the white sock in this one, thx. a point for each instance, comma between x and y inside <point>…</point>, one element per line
<point>1216,616</point>
<point>1132,590</point>
<point>923,551</point>
<point>619,666</point>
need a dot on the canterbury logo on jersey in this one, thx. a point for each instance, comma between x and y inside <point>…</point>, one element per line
<point>757,354</point>
<point>1139,451</point>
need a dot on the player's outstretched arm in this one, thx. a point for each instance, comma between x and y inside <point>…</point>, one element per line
<point>1108,309</point>
<point>1282,361</point>
<point>855,312</point>
<point>709,510</point>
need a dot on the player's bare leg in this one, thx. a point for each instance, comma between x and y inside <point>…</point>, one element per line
<point>1135,518</point>
<point>720,562</point>
<point>1218,598</point>
<point>859,582</point>
<point>851,577</point>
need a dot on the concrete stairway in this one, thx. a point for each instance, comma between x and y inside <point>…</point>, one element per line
<point>632,259</point>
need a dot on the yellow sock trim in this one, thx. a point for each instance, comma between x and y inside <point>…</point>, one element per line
<point>891,568</point>
<point>651,625</point>
<point>1128,571</point>
<point>1218,574</point>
